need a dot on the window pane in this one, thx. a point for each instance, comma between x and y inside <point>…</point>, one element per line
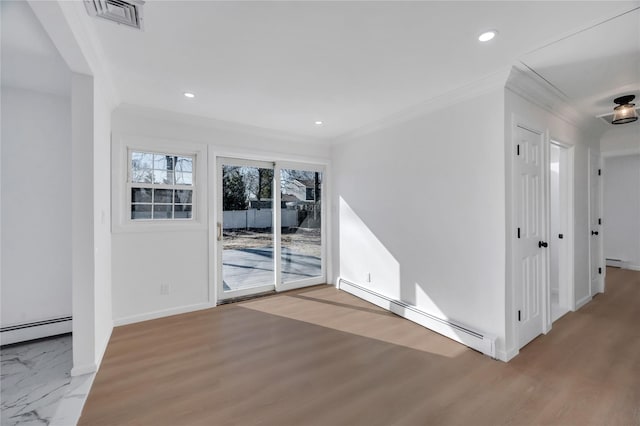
<point>183,196</point>
<point>184,164</point>
<point>163,177</point>
<point>140,195</point>
<point>162,211</point>
<point>163,196</point>
<point>160,162</point>
<point>164,162</point>
<point>184,178</point>
<point>142,175</point>
<point>141,160</point>
<point>182,211</point>
<point>141,211</point>
<point>301,217</point>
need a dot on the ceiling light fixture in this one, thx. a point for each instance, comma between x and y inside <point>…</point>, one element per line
<point>487,35</point>
<point>189,95</point>
<point>625,112</point>
<point>318,123</point>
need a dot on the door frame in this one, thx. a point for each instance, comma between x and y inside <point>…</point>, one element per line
<point>567,217</point>
<point>215,209</point>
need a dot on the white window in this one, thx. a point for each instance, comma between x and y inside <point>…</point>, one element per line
<point>161,186</point>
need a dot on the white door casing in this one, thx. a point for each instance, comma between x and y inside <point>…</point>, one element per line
<point>530,263</point>
<point>596,267</point>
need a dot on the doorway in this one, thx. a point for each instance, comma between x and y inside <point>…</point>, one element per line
<point>270,230</point>
<point>560,230</point>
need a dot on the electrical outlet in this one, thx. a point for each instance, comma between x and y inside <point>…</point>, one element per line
<point>369,277</point>
<point>165,289</point>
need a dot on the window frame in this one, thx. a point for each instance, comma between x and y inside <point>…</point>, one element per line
<point>122,146</point>
<point>153,186</point>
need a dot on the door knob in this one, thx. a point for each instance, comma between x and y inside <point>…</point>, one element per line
<point>594,232</point>
<point>542,244</point>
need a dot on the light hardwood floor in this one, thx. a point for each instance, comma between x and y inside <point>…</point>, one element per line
<point>319,356</point>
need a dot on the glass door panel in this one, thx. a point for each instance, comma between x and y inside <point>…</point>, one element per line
<point>246,228</point>
<point>300,224</point>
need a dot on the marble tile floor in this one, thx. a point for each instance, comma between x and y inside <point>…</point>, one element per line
<point>36,387</point>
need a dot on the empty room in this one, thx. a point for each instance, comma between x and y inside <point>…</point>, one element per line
<point>319,212</point>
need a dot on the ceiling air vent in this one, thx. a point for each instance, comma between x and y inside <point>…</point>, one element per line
<point>126,12</point>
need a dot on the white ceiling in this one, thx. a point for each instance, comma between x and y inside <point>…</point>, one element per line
<point>29,58</point>
<point>284,65</point>
<point>595,66</point>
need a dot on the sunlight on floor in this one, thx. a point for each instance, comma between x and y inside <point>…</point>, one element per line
<point>331,308</point>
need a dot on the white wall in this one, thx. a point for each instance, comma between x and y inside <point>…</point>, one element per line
<point>36,202</point>
<point>581,137</point>
<point>621,139</point>
<point>554,216</point>
<point>102,219</point>
<point>621,192</point>
<point>82,235</point>
<point>420,207</point>
<point>622,209</point>
<point>144,257</point>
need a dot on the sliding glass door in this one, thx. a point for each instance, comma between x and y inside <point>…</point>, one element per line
<point>268,239</point>
<point>245,232</point>
<point>301,225</point>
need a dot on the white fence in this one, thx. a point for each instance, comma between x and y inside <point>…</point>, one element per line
<point>254,218</point>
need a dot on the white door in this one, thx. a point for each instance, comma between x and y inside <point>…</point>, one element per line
<point>595,237</point>
<point>530,265</point>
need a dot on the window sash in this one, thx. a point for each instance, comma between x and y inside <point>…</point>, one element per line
<point>185,208</point>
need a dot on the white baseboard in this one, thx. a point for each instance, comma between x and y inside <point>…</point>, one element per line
<point>103,349</point>
<point>33,332</point>
<point>480,341</point>
<point>162,313</point>
<point>632,266</point>
<point>580,303</point>
<point>84,369</point>
<point>508,355</point>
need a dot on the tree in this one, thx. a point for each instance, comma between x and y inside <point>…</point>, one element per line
<point>234,189</point>
<point>265,184</point>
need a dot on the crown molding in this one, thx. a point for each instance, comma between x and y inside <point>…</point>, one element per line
<point>527,84</point>
<point>458,95</point>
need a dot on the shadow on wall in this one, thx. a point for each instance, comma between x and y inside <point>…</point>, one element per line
<point>366,261</point>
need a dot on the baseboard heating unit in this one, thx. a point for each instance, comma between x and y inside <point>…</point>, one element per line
<point>35,330</point>
<point>482,342</point>
<point>616,263</point>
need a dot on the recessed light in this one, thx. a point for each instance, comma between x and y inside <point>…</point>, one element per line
<point>318,123</point>
<point>487,35</point>
<point>189,95</point>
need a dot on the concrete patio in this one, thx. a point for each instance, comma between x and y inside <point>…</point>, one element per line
<point>251,267</point>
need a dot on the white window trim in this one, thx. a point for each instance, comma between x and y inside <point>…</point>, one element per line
<point>152,186</point>
<point>123,145</point>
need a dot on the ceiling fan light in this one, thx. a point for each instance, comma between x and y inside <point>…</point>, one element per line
<point>625,113</point>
